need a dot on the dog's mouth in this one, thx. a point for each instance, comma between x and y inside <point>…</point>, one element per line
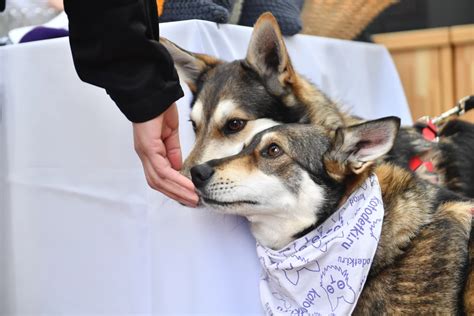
<point>227,203</point>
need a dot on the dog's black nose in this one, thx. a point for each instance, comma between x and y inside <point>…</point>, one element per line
<point>201,174</point>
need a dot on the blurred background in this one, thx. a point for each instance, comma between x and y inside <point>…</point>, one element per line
<point>432,45</point>
<point>420,14</point>
<point>20,13</point>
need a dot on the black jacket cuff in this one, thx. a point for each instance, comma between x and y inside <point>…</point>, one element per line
<point>151,106</point>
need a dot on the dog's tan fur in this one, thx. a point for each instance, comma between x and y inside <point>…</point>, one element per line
<point>413,269</point>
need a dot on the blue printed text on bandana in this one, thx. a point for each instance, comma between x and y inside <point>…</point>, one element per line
<point>323,272</point>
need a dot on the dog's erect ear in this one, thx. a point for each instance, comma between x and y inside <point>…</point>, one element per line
<point>189,65</point>
<point>267,53</point>
<point>357,147</point>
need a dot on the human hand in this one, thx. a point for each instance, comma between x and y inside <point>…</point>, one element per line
<point>157,144</point>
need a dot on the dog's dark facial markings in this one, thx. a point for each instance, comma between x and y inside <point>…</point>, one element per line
<point>267,161</point>
<point>233,81</point>
<point>261,91</point>
<point>420,265</point>
<point>292,160</point>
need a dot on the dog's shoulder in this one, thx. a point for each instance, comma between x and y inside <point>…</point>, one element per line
<point>420,263</point>
<point>414,202</point>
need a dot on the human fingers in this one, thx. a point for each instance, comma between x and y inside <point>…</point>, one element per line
<point>167,187</point>
<point>173,150</point>
<point>162,167</point>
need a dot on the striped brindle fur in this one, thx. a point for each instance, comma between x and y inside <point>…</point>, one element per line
<point>290,178</point>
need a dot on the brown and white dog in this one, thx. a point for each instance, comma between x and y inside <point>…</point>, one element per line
<point>235,100</point>
<point>288,179</point>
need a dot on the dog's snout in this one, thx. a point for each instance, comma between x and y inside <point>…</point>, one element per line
<point>201,174</point>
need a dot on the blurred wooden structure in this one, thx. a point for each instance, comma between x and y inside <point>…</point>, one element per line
<point>436,66</point>
<point>343,19</point>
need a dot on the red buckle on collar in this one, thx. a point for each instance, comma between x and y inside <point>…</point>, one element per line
<point>416,162</point>
<point>430,132</point>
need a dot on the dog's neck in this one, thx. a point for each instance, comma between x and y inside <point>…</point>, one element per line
<point>276,231</point>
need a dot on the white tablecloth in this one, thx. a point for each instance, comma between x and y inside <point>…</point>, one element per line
<point>80,232</point>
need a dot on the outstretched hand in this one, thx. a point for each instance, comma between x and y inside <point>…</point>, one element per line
<point>157,145</point>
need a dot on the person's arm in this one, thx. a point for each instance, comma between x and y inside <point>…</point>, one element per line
<point>115,46</point>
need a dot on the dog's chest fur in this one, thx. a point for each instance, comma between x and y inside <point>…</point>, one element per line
<point>421,261</point>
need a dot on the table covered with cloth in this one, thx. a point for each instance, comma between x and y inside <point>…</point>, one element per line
<point>81,233</point>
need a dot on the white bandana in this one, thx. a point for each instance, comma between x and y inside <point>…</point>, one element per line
<point>323,273</point>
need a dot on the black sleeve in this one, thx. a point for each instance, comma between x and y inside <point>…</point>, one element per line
<point>115,46</point>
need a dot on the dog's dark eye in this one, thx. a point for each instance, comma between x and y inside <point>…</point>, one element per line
<point>234,126</point>
<point>273,151</point>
